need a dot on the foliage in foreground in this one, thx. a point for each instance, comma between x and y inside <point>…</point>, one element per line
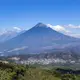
<point>21,72</point>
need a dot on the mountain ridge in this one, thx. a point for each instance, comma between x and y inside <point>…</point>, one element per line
<point>37,39</point>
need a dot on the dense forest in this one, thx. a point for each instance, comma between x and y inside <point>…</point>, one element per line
<point>12,71</point>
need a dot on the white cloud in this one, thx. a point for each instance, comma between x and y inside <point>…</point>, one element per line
<point>17,49</point>
<point>58,28</point>
<point>67,29</point>
<point>17,28</point>
<point>73,26</point>
<point>10,30</point>
<point>75,35</point>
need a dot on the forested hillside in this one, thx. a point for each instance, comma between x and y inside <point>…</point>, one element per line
<point>10,71</point>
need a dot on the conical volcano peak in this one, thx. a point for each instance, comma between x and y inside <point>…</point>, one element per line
<point>41,25</point>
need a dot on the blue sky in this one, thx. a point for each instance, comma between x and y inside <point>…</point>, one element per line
<point>27,13</point>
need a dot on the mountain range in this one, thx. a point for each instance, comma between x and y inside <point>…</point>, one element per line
<point>39,39</point>
<point>9,34</point>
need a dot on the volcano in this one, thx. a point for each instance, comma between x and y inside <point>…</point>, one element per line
<point>39,38</point>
